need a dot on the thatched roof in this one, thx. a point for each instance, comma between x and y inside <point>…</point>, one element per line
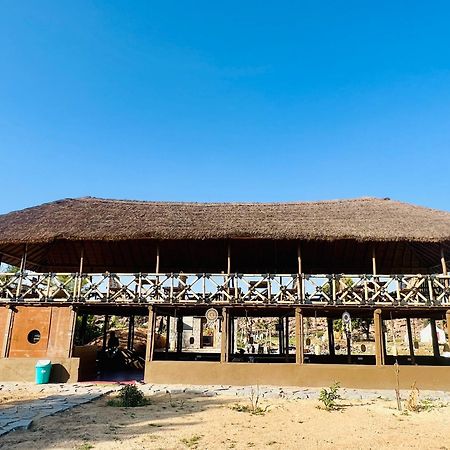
<point>94,219</point>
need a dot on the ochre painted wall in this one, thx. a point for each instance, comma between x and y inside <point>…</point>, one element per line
<point>55,325</point>
<point>304,375</point>
<point>23,369</point>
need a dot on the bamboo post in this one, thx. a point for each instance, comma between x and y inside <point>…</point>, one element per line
<point>379,339</point>
<point>298,336</point>
<point>434,338</point>
<point>151,324</point>
<point>224,337</point>
<point>410,340</point>
<point>228,258</point>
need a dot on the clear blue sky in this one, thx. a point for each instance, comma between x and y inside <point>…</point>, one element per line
<point>224,101</point>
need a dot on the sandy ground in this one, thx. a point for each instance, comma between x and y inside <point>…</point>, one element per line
<point>182,421</point>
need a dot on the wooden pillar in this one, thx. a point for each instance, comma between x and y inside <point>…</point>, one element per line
<point>280,336</point>
<point>298,336</point>
<point>83,327</point>
<point>73,323</point>
<point>443,262</point>
<point>379,338</point>
<point>374,261</point>
<point>331,337</point>
<point>286,338</point>
<point>157,259</point>
<point>447,317</point>
<point>105,331</point>
<point>8,332</point>
<point>224,342</point>
<point>228,258</point>
<point>179,334</point>
<point>167,333</point>
<point>434,338</point>
<point>151,325</point>
<point>410,340</point>
<point>130,332</point>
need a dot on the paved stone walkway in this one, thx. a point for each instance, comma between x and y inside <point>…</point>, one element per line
<point>21,414</point>
<point>292,393</point>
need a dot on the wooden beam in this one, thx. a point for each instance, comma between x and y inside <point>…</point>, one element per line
<point>151,325</point>
<point>224,337</point>
<point>434,338</point>
<point>298,336</point>
<point>410,340</point>
<point>379,338</point>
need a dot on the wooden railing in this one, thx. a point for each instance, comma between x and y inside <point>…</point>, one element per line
<point>400,290</point>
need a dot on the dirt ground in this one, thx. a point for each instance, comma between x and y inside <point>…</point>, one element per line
<point>193,421</point>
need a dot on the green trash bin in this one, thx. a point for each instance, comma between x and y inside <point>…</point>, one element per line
<point>43,369</point>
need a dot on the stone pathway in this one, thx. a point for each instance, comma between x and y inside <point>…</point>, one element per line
<point>293,393</point>
<point>22,413</point>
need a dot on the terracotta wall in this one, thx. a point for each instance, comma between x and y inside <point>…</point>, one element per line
<point>305,375</point>
<point>55,325</point>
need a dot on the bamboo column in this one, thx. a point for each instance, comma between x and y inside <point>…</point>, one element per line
<point>298,336</point>
<point>379,338</point>
<point>224,337</point>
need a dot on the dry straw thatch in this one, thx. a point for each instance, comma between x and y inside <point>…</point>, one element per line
<point>364,219</point>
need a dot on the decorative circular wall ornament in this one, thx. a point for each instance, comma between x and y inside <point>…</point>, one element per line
<point>34,336</point>
<point>346,317</point>
<point>211,315</point>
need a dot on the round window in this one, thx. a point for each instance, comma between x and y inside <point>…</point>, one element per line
<point>34,337</point>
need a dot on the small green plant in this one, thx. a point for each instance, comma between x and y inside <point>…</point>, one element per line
<point>191,442</point>
<point>254,407</point>
<point>85,446</point>
<point>129,397</point>
<point>329,396</point>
